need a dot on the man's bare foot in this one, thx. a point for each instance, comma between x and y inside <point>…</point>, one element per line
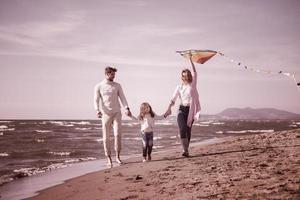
<point>109,162</point>
<point>118,160</point>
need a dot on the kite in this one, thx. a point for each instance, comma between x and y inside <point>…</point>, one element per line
<point>198,56</point>
<point>201,56</point>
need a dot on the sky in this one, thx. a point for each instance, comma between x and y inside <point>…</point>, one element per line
<point>53,53</point>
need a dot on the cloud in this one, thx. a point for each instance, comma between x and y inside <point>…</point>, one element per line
<point>153,30</point>
<point>39,33</point>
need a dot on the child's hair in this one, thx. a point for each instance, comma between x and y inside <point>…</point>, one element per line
<point>143,110</point>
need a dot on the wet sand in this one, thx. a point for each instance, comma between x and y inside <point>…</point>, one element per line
<point>264,166</point>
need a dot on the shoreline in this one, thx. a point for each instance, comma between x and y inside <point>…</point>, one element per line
<point>31,186</point>
<point>245,167</point>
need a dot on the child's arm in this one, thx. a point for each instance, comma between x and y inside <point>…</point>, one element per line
<point>160,117</point>
<point>133,117</point>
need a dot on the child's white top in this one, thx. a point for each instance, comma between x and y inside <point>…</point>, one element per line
<point>148,122</point>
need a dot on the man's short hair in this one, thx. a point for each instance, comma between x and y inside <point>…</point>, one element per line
<point>109,69</point>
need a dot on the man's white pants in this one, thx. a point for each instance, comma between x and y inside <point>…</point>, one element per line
<point>109,121</point>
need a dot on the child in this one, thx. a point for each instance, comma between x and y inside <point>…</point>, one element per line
<point>147,119</point>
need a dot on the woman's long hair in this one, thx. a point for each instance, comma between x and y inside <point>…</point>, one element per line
<point>143,111</point>
<point>189,75</point>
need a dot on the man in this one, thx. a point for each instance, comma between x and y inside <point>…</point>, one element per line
<point>107,105</point>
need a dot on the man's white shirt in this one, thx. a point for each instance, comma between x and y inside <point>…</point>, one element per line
<point>107,95</point>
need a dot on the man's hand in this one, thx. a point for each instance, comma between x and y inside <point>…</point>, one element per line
<point>99,114</point>
<point>128,113</point>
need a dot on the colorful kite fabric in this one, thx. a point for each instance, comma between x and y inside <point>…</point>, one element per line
<point>198,56</point>
<point>201,56</point>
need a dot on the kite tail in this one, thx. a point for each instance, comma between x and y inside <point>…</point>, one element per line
<point>288,74</point>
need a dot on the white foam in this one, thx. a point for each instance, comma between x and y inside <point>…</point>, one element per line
<point>218,123</point>
<point>5,121</point>
<point>60,153</point>
<point>207,122</point>
<point>43,131</point>
<point>29,171</point>
<point>61,123</point>
<point>252,131</point>
<point>83,129</point>
<point>57,123</point>
<point>40,140</point>
<point>219,132</point>
<point>4,154</point>
<point>173,137</point>
<point>158,147</point>
<point>99,140</point>
<point>293,125</point>
<point>3,127</point>
<point>131,124</point>
<point>80,160</point>
<point>164,123</point>
<point>157,138</point>
<point>1,133</point>
<point>135,138</point>
<point>201,125</point>
<point>81,123</point>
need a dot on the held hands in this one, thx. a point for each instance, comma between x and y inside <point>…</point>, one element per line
<point>99,114</point>
<point>167,113</point>
<point>128,113</point>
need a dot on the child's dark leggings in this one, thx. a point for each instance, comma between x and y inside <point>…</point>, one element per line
<point>147,143</point>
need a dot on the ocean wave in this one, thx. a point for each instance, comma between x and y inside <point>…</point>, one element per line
<point>1,133</point>
<point>80,160</point>
<point>158,147</point>
<point>134,138</point>
<point>157,138</point>
<point>5,121</point>
<point>207,122</point>
<point>60,153</point>
<point>99,140</point>
<point>218,123</point>
<point>164,123</point>
<point>57,123</point>
<point>219,132</point>
<point>173,137</point>
<point>4,154</point>
<point>5,128</point>
<point>43,131</point>
<point>61,123</point>
<point>252,131</point>
<point>81,123</point>
<point>130,124</point>
<point>83,129</point>
<point>23,172</point>
<point>293,125</point>
<point>40,140</point>
<point>200,124</point>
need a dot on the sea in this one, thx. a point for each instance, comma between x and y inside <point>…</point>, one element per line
<point>35,147</point>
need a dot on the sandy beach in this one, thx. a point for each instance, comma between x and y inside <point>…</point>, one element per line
<point>263,166</point>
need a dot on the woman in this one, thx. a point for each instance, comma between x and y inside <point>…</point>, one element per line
<point>189,105</point>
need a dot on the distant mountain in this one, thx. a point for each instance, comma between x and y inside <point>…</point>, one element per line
<point>260,113</point>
